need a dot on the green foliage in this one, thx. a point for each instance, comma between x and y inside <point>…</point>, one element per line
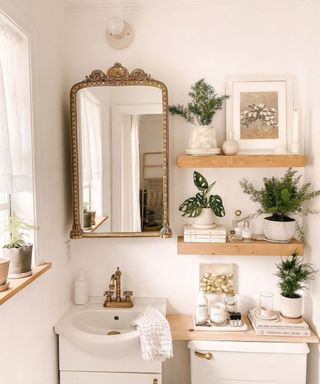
<point>205,102</point>
<point>192,207</point>
<point>281,197</point>
<point>17,228</point>
<point>293,275</point>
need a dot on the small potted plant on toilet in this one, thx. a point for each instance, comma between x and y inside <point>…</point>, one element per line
<point>281,198</point>
<point>17,250</point>
<point>202,207</point>
<point>200,112</point>
<point>293,274</point>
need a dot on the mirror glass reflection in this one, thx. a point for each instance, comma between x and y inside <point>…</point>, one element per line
<point>121,160</point>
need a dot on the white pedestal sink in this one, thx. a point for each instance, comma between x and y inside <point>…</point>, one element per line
<point>105,332</point>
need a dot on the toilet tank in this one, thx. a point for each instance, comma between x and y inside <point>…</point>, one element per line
<point>224,362</point>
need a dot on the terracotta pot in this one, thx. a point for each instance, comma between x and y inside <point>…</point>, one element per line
<point>4,269</point>
<point>206,217</point>
<point>20,261</point>
<point>282,231</point>
<point>291,307</point>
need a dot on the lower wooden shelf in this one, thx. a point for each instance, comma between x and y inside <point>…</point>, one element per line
<point>254,248</point>
<point>182,329</point>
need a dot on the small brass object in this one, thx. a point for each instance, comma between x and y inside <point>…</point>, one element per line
<point>115,287</point>
<point>207,356</point>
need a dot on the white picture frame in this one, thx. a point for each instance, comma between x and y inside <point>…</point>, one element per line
<point>260,112</point>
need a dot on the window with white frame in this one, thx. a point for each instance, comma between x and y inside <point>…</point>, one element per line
<point>16,158</point>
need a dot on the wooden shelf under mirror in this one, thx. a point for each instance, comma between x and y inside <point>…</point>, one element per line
<point>240,248</point>
<point>182,329</point>
<point>242,161</point>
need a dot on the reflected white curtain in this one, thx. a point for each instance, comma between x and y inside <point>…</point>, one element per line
<point>15,120</point>
<point>130,175</point>
<point>91,144</point>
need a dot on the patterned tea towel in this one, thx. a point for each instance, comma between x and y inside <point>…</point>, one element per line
<point>155,335</point>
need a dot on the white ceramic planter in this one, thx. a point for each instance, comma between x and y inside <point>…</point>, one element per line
<point>282,231</point>
<point>206,218</point>
<point>20,261</point>
<point>291,308</point>
<point>203,136</point>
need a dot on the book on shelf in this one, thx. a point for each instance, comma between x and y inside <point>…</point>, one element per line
<point>217,230</point>
<point>277,327</point>
<point>275,324</point>
<point>204,239</point>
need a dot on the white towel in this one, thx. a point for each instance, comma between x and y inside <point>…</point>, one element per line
<point>155,335</point>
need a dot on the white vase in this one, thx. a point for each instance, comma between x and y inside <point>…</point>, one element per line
<point>291,307</point>
<point>203,136</point>
<point>230,147</point>
<point>206,218</point>
<point>282,231</point>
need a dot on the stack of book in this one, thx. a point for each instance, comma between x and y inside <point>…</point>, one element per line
<point>277,327</point>
<point>217,234</point>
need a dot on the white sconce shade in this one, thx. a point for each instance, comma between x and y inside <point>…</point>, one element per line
<point>119,34</point>
<point>115,25</point>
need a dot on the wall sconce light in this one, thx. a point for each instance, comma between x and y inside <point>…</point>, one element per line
<point>119,34</point>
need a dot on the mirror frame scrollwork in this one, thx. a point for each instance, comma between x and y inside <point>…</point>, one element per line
<point>116,76</point>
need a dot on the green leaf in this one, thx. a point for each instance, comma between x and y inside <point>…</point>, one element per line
<point>200,181</point>
<point>191,207</point>
<point>216,204</point>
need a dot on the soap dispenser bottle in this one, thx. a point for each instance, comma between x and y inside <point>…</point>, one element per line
<point>81,295</point>
<point>202,313</point>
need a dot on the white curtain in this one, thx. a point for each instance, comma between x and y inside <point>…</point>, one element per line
<point>130,175</point>
<point>15,119</point>
<point>91,143</point>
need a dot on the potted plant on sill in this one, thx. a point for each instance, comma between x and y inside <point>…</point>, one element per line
<point>200,112</point>
<point>281,198</point>
<point>17,250</point>
<point>202,206</point>
<point>293,274</point>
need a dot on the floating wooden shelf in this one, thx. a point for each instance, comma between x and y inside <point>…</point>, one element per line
<point>242,161</point>
<point>254,248</point>
<point>16,285</point>
<point>182,329</point>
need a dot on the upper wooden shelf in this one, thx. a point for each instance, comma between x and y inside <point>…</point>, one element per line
<point>240,248</point>
<point>242,161</point>
<point>182,329</point>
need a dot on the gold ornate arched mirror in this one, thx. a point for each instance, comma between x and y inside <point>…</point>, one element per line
<point>119,132</point>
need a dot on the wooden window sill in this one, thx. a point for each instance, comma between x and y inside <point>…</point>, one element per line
<point>16,285</point>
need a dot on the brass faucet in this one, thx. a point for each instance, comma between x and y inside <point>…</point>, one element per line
<point>115,286</point>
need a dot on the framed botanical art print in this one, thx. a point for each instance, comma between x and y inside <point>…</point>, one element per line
<point>259,113</point>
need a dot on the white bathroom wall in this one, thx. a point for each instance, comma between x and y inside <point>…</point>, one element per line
<point>29,348</point>
<point>179,45</point>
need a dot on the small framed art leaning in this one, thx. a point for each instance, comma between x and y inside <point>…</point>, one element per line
<point>260,113</point>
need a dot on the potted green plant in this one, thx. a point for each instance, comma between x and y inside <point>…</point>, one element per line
<point>281,198</point>
<point>202,206</point>
<point>293,274</point>
<point>200,112</point>
<point>17,250</point>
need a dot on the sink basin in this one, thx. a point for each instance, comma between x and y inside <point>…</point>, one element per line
<point>105,332</point>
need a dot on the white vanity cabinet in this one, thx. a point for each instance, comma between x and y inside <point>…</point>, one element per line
<point>222,362</point>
